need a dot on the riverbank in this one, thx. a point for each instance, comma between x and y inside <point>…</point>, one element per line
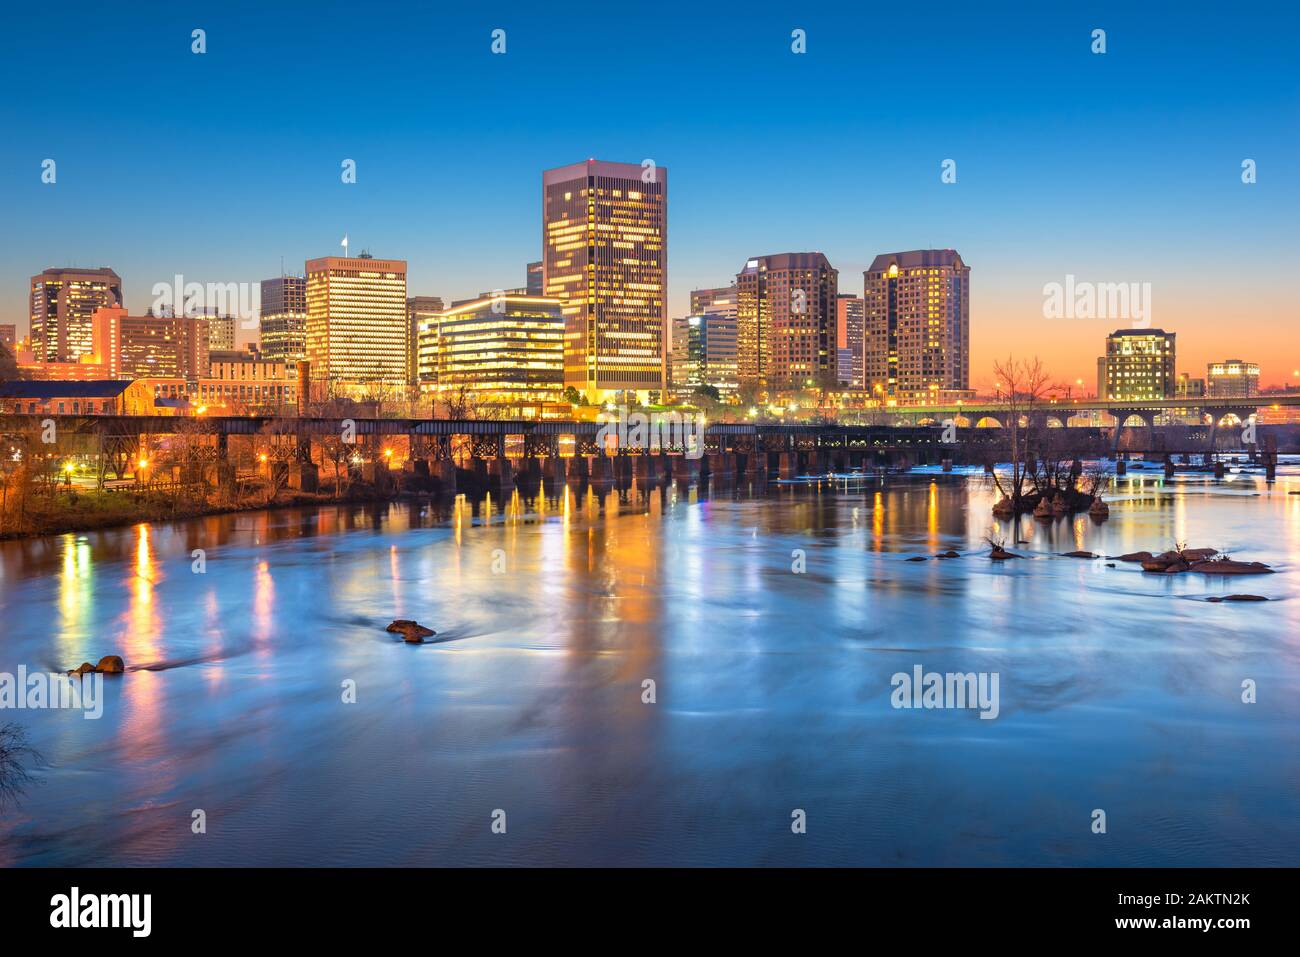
<point>90,510</point>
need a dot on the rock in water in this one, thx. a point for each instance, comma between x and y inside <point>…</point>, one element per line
<point>1001,555</point>
<point>1081,555</point>
<point>412,632</point>
<point>1136,557</point>
<point>110,665</point>
<point>1219,598</point>
<point>1225,566</point>
<point>918,558</point>
<point>86,669</point>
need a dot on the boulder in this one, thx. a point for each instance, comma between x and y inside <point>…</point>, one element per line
<point>1136,557</point>
<point>918,558</point>
<point>1226,566</point>
<point>86,668</point>
<point>1004,509</point>
<point>1001,555</point>
<point>1081,555</point>
<point>110,665</point>
<point>948,554</point>
<point>1219,598</point>
<point>412,632</point>
<point>1043,509</point>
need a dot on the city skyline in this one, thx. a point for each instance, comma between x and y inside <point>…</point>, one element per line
<point>1079,183</point>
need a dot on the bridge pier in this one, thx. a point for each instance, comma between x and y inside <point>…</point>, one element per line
<point>788,466</point>
<point>304,477</point>
<point>501,472</point>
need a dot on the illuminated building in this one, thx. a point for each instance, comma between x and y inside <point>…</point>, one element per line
<point>1232,379</point>
<point>283,317</point>
<point>704,353</point>
<point>719,302</point>
<point>785,322</point>
<point>356,319</point>
<point>137,347</point>
<point>605,254</point>
<point>221,330</point>
<point>916,325</point>
<point>506,352</point>
<point>1138,364</point>
<point>9,336</point>
<point>1188,388</point>
<point>536,285</point>
<point>422,328</point>
<point>63,302</point>
<point>850,312</point>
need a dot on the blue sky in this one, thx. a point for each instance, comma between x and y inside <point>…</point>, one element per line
<point>1115,167</point>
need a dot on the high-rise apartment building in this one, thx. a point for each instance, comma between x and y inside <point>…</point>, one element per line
<point>150,346</point>
<point>785,322</point>
<point>850,318</point>
<point>605,254</point>
<point>9,336</point>
<point>62,304</point>
<point>506,352</point>
<point>1232,379</point>
<point>283,317</point>
<point>1138,365</point>
<point>916,326</point>
<point>422,327</point>
<point>356,319</point>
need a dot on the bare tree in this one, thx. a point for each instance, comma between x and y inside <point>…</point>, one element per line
<point>14,776</point>
<point>1025,384</point>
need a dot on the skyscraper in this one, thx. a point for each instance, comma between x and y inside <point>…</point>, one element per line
<point>284,317</point>
<point>849,320</point>
<point>356,319</point>
<point>63,302</point>
<point>917,325</point>
<point>785,322</point>
<point>1138,364</point>
<point>605,254</point>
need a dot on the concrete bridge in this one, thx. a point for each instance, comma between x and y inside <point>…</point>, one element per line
<point>1059,412</point>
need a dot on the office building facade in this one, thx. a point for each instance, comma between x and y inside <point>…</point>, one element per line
<point>62,305</point>
<point>605,255</point>
<point>357,327</point>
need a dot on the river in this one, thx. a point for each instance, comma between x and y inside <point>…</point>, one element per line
<point>770,622</point>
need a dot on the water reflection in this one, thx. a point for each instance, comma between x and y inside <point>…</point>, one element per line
<point>771,685</point>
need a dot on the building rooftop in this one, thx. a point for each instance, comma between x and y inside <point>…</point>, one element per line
<point>916,258</point>
<point>63,389</point>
